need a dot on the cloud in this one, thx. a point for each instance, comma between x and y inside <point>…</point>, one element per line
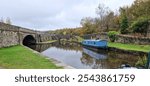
<point>52,14</point>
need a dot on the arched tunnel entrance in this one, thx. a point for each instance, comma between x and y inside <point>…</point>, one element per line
<point>28,40</point>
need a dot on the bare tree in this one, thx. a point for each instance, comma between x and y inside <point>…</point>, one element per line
<point>102,12</point>
<point>2,20</point>
<point>8,21</point>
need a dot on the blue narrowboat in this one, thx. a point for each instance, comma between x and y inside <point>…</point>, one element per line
<point>95,43</point>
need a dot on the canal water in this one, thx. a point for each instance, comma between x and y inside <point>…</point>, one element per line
<point>80,57</point>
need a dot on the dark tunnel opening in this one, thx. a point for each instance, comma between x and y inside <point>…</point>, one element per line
<point>29,40</point>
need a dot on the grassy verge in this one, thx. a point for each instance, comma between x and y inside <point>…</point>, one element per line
<point>20,57</point>
<point>134,47</point>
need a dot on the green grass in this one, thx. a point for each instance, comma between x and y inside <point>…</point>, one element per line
<point>134,47</point>
<point>20,57</point>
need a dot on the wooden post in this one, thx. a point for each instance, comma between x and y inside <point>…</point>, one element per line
<point>148,31</point>
<point>148,61</point>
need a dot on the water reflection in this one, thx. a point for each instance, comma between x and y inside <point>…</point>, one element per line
<point>40,47</point>
<point>75,55</point>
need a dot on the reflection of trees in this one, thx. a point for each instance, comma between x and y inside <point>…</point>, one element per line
<point>114,60</point>
<point>68,46</point>
<point>87,60</point>
<point>143,61</point>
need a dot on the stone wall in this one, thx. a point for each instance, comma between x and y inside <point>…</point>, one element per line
<point>133,39</point>
<point>8,35</point>
<point>96,36</point>
<point>8,38</point>
<point>45,37</point>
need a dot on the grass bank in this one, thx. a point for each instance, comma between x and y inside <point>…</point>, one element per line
<point>20,57</point>
<point>134,47</point>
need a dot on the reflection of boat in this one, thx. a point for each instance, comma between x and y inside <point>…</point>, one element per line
<point>95,43</point>
<point>94,54</point>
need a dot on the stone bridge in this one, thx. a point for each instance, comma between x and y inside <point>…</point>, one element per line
<point>14,35</point>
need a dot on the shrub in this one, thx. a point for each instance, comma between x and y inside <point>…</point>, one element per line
<point>112,35</point>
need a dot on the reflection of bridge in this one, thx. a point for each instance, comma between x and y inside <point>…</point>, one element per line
<point>59,45</point>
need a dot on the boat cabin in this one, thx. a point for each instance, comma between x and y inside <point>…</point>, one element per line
<point>95,43</point>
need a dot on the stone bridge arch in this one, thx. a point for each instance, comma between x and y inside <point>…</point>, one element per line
<point>11,35</point>
<point>29,39</point>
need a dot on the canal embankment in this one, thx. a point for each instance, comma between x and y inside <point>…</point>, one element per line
<point>122,42</point>
<point>123,47</point>
<point>126,48</point>
<point>129,48</point>
<point>21,57</point>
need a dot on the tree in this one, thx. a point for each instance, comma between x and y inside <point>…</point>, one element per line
<point>116,22</point>
<point>2,20</point>
<point>124,21</point>
<point>102,11</point>
<point>140,25</point>
<point>87,24</point>
<point>140,8</point>
<point>108,20</point>
<point>8,21</point>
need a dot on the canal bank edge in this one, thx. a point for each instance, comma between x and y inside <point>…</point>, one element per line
<point>56,62</point>
<point>127,51</point>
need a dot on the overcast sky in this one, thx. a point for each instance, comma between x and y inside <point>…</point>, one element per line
<point>53,14</point>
